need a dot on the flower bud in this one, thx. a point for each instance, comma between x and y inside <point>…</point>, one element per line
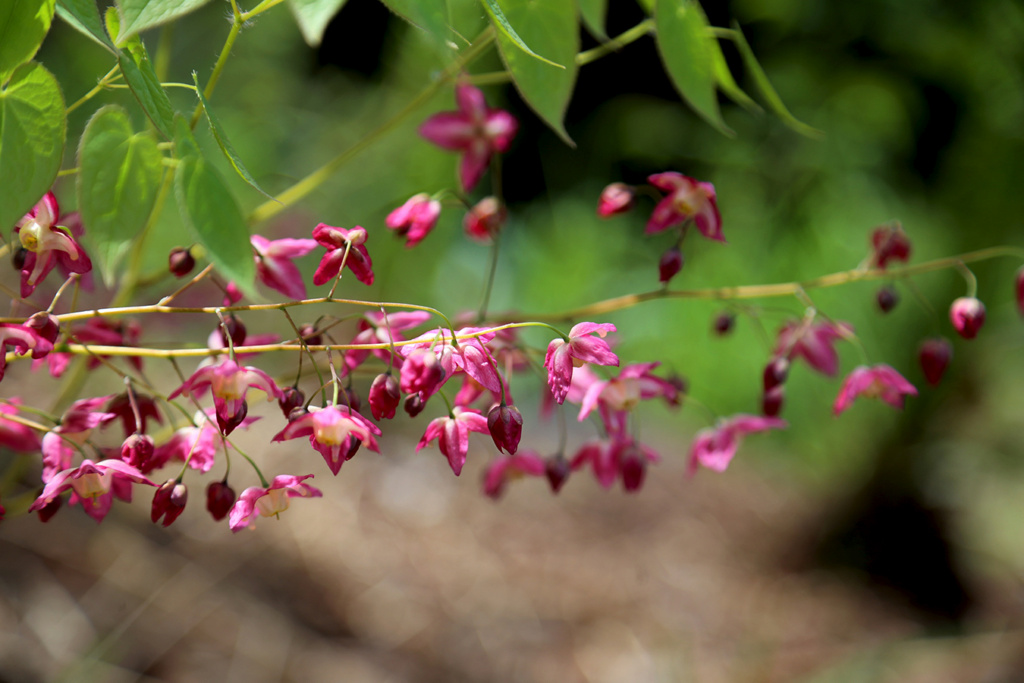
<point>384,396</point>
<point>414,405</point>
<point>670,264</point>
<point>310,335</point>
<point>556,469</point>
<point>235,329</point>
<point>967,315</point>
<point>771,401</point>
<point>934,356</point>
<point>291,398</point>
<point>219,499</point>
<point>634,467</point>
<point>421,372</point>
<point>724,323</point>
<point>775,373</point>
<point>232,294</point>
<point>180,262</point>
<point>616,198</point>
<point>228,421</point>
<point>505,423</point>
<point>485,220</point>
<point>45,325</point>
<point>887,298</point>
<point>137,450</point>
<point>169,501</point>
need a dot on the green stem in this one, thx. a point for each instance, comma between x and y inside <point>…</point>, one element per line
<point>236,27</point>
<point>617,43</point>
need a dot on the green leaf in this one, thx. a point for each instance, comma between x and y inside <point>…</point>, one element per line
<point>431,16</point>
<point>775,103</point>
<point>210,212</point>
<point>685,44</point>
<point>312,16</point>
<point>647,5</point>
<point>138,15</point>
<point>726,82</point>
<point>118,175</point>
<point>222,140</point>
<point>23,25</point>
<point>33,123</point>
<point>552,27</point>
<point>594,13</point>
<point>145,86</point>
<point>83,16</point>
<point>507,33</point>
<point>466,18</point>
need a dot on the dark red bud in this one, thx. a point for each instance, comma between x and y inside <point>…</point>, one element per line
<point>775,373</point>
<point>228,421</point>
<point>771,401</point>
<point>887,298</point>
<point>291,398</point>
<point>137,450</point>
<point>310,335</point>
<point>169,501</point>
<point>235,328</point>
<point>219,499</point>
<point>384,396</point>
<point>45,325</point>
<point>724,323</point>
<point>967,315</point>
<point>414,405</point>
<point>670,264</point>
<point>634,467</point>
<point>934,356</point>
<point>180,262</point>
<point>505,423</point>
<point>557,470</point>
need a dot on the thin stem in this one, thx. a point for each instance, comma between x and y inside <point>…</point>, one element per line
<point>302,340</point>
<point>236,27</point>
<point>972,280</point>
<point>95,91</point>
<point>492,270</point>
<point>173,295</point>
<point>56,297</point>
<point>617,43</point>
<point>341,269</point>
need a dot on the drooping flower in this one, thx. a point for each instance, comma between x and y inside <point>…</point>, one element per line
<point>106,332</point>
<point>714,448</point>
<point>48,245</point>
<point>967,315</point>
<point>197,445</point>
<point>485,220</point>
<point>889,243</point>
<point>76,425</point>
<point>618,457</point>
<point>334,432</point>
<point>219,499</point>
<point>452,434</point>
<point>270,501</point>
<point>814,342</point>
<point>615,199</point>
<point>934,355</point>
<point>274,266</point>
<point>338,242</point>
<point>384,396</point>
<point>505,424</point>
<point>669,265</point>
<point>229,382</point>
<point>623,392</point>
<point>1018,289</point>
<point>92,484</point>
<point>687,199</point>
<point>375,328</point>
<point>475,130</point>
<point>169,502</point>
<point>121,406</point>
<point>21,339</point>
<point>506,468</point>
<point>415,219</point>
<point>563,355</point>
<point>879,381</point>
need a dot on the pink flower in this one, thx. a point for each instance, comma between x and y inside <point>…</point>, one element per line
<point>229,382</point>
<point>422,373</point>
<point>197,445</point>
<point>105,332</point>
<point>92,484</point>
<point>715,448</point>
<point>687,199</point>
<point>21,339</point>
<point>506,468</point>
<point>270,501</point>
<point>384,396</point>
<point>169,502</point>
<point>415,219</point>
<point>14,436</point>
<point>48,245</point>
<point>934,356</point>
<point>890,243</point>
<point>563,355</point>
<point>880,381</point>
<point>622,393</point>
<point>337,434</point>
<point>476,130</point>
<point>452,434</point>
<point>485,220</point>
<point>505,424</point>
<point>615,199</point>
<point>374,328</point>
<point>813,342</point>
<point>76,425</point>
<point>615,458</point>
<point>274,265</point>
<point>967,315</point>
<point>338,241</point>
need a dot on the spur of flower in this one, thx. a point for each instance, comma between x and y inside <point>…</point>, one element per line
<point>580,347</point>
<point>344,248</point>
<point>258,501</point>
<point>337,433</point>
<point>879,381</point>
<point>47,244</point>
<point>229,382</point>
<point>714,448</point>
<point>475,130</point>
<point>686,199</point>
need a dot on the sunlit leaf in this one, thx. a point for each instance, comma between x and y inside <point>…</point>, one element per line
<point>145,86</point>
<point>138,15</point>
<point>119,172</point>
<point>594,13</point>
<point>33,123</point>
<point>313,16</point>
<point>211,213</point>
<point>685,44</point>
<point>84,17</point>
<point>23,25</point>
<point>508,34</point>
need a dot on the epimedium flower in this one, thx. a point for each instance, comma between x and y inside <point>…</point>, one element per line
<point>334,432</point>
<point>506,468</point>
<point>618,457</point>
<point>274,266</point>
<point>505,424</point>
<point>169,502</point>
<point>48,244</point>
<point>687,199</point>
<point>22,339</point>
<point>196,445</point>
<point>580,347</point>
<point>93,484</point>
<point>338,242</point>
<point>229,382</point>
<point>485,220</point>
<point>415,219</point>
<point>76,425</point>
<point>814,342</point>
<point>623,392</point>
<point>257,501</point>
<point>879,381</point>
<point>452,434</point>
<point>375,328</point>
<point>889,243</point>
<point>384,396</point>
<point>714,448</point>
<point>475,130</point>
<point>615,199</point>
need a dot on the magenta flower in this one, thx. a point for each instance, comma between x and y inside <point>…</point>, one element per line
<point>415,219</point>
<point>934,356</point>
<point>967,315</point>
<point>384,396</point>
<point>422,373</point>
<point>813,342</point>
<point>476,130</point>
<point>687,199</point>
<point>105,332</point>
<point>169,502</point>
<point>715,448</point>
<point>92,484</point>
<point>14,436</point>
<point>452,434</point>
<point>338,241</point>
<point>374,328</point>
<point>506,468</point>
<point>615,199</point>
<point>880,381</point>
<point>48,245</point>
<point>336,433</point>
<point>270,501</point>
<point>622,393</point>
<point>76,425</point>
<point>563,355</point>
<point>274,265</point>
<point>198,445</point>
<point>484,220</point>
<point>21,339</point>
<point>615,458</point>
<point>229,383</point>
<point>505,424</point>
<point>890,243</point>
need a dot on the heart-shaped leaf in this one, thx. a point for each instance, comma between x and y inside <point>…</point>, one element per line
<point>23,25</point>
